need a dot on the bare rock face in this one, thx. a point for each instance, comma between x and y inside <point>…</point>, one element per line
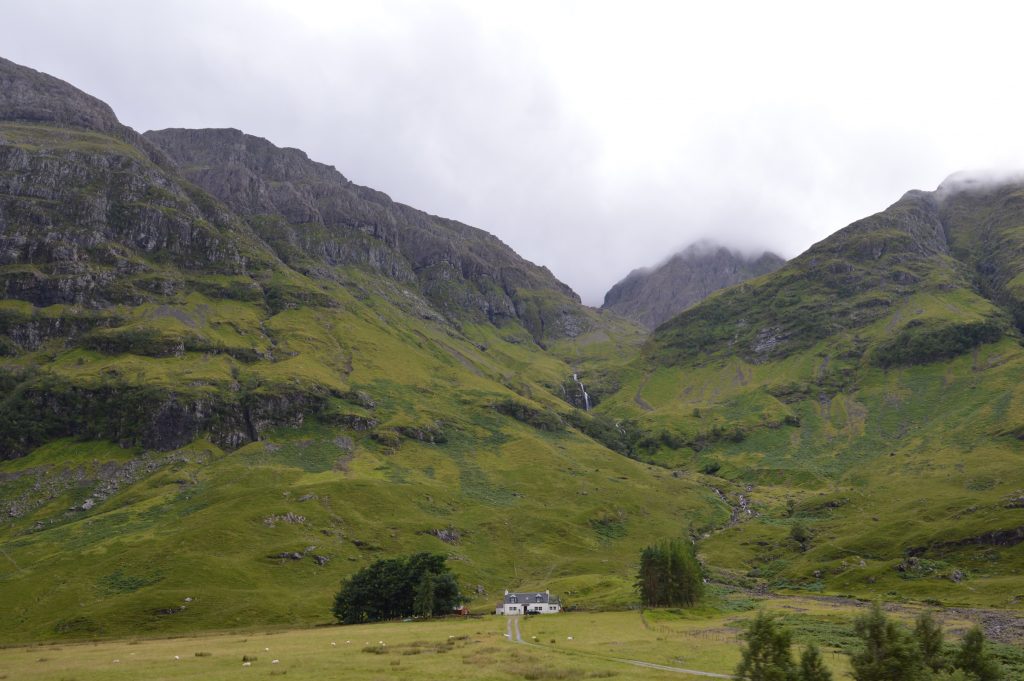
<point>31,96</point>
<point>312,216</point>
<point>651,296</point>
<point>98,222</point>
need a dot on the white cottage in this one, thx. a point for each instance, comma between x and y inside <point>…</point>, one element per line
<point>521,603</point>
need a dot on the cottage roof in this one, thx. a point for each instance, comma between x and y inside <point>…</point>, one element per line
<point>529,597</point>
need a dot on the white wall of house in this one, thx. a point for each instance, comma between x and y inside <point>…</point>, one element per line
<point>518,608</point>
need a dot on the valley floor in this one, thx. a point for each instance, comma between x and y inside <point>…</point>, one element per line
<point>575,645</point>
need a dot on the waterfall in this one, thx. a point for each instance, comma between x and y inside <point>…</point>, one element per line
<point>586,397</point>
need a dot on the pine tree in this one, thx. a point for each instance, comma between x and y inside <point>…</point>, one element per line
<point>928,634</point>
<point>888,654</point>
<point>973,659</point>
<point>766,653</point>
<point>669,575</point>
<point>812,666</point>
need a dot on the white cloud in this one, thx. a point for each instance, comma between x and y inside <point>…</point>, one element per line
<point>592,137</point>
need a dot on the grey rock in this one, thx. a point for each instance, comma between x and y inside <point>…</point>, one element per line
<point>653,295</point>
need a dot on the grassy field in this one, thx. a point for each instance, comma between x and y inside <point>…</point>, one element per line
<point>567,646</point>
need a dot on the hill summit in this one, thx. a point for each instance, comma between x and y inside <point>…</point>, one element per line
<point>653,295</point>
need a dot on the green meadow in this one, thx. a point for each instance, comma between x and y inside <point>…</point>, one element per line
<point>576,645</point>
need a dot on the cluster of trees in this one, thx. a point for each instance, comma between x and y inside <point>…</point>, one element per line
<point>889,653</point>
<point>420,584</point>
<point>670,575</point>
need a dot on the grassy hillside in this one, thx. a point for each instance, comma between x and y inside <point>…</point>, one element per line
<point>198,435</point>
<point>229,380</point>
<point>869,392</point>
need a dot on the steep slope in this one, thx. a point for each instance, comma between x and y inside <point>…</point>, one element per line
<point>868,391</point>
<point>314,217</point>
<point>213,408</point>
<point>652,296</point>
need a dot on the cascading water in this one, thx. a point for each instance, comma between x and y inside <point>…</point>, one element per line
<point>586,397</point>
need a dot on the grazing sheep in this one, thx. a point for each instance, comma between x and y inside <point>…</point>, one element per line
<point>247,664</point>
<point>274,661</point>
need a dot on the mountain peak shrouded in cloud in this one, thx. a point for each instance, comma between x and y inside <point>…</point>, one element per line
<point>976,181</point>
<point>516,117</point>
<point>653,295</point>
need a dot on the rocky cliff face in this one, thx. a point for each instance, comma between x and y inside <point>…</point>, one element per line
<point>172,250</point>
<point>651,296</point>
<point>314,217</point>
<point>959,244</point>
<point>31,96</point>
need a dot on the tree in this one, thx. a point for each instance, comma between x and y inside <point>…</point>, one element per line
<point>889,653</point>
<point>424,602</point>
<point>397,587</point>
<point>973,659</point>
<point>812,666</point>
<point>928,635</point>
<point>766,655</point>
<point>670,575</point>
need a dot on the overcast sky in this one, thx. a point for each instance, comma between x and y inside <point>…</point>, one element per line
<point>591,137</point>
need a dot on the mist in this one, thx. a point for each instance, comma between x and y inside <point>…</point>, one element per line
<point>593,138</point>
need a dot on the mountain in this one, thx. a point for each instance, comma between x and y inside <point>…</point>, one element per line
<point>651,296</point>
<point>229,378</point>
<point>869,391</point>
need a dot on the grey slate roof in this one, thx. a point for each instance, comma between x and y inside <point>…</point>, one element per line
<point>530,597</point>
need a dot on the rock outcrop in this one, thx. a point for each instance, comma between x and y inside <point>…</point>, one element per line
<point>651,296</point>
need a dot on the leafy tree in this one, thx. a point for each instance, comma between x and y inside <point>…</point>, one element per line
<point>889,653</point>
<point>766,653</point>
<point>812,666</point>
<point>670,575</point>
<point>424,602</point>
<point>928,634</point>
<point>973,659</point>
<point>397,587</point>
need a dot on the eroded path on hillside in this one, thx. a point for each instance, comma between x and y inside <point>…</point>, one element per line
<point>514,635</point>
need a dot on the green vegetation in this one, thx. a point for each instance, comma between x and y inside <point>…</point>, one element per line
<point>211,413</point>
<point>420,584</point>
<point>767,655</point>
<point>669,575</point>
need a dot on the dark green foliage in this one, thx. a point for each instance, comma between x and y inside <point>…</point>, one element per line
<point>974,659</point>
<point>920,343</point>
<point>766,652</point>
<point>520,411</point>
<point>812,666</point>
<point>928,634</point>
<point>800,534</point>
<point>670,575</point>
<point>618,436</point>
<point>889,652</point>
<point>420,584</point>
